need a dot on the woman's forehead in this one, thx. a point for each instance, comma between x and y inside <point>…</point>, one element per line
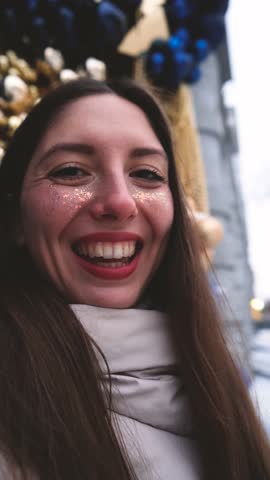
<point>104,118</point>
<point>100,106</point>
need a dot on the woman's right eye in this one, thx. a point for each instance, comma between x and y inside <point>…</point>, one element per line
<point>69,173</point>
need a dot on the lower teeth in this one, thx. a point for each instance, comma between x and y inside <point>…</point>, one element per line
<point>111,264</point>
<point>107,263</point>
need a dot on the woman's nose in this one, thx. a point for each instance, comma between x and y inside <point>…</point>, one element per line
<point>114,201</point>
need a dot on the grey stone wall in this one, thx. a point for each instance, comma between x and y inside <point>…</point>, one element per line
<point>231,258</point>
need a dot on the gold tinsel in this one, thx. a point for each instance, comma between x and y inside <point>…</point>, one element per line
<point>189,162</point>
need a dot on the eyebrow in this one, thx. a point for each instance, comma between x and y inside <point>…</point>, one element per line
<point>68,147</point>
<point>89,150</point>
<point>144,151</point>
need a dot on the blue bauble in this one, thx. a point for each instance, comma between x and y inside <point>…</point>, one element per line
<point>175,43</point>
<point>180,67</point>
<point>111,24</point>
<point>38,22</point>
<point>32,5</point>
<point>39,33</point>
<point>178,9</point>
<point>183,62</point>
<point>10,21</point>
<point>67,19</point>
<point>201,49</point>
<point>194,75</point>
<point>160,45</point>
<point>156,64</point>
<point>183,35</point>
<point>67,35</point>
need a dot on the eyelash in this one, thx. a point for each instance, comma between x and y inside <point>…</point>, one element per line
<point>63,172</point>
<point>146,174</point>
<point>149,172</point>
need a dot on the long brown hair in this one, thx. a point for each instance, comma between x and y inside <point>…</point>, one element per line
<point>55,413</point>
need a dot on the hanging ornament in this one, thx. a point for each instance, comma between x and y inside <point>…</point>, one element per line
<point>96,68</point>
<point>54,58</point>
<point>15,88</point>
<point>67,75</point>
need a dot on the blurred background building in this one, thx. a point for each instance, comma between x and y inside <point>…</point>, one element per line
<point>249,93</point>
<point>218,134</point>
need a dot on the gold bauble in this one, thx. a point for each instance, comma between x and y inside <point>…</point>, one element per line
<point>4,64</point>
<point>13,123</point>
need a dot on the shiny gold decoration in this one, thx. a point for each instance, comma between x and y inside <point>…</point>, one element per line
<point>34,92</point>
<point>189,162</point>
<point>2,152</point>
<point>14,71</point>
<point>27,73</point>
<point>211,230</point>
<point>24,84</point>
<point>95,68</point>
<point>4,64</point>
<point>23,89</point>
<point>12,57</point>
<point>54,58</point>
<point>15,88</point>
<point>66,75</point>
<point>13,123</point>
<point>257,306</point>
<point>3,123</point>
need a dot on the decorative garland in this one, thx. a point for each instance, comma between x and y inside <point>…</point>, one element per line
<point>89,28</point>
<point>58,40</point>
<point>197,27</point>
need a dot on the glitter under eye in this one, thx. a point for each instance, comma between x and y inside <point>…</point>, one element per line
<point>73,198</point>
<point>143,196</point>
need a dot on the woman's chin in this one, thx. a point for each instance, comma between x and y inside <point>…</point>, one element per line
<point>106,301</point>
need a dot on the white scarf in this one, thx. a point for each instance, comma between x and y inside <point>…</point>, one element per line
<point>145,387</point>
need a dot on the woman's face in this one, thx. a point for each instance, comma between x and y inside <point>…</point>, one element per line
<point>96,207</point>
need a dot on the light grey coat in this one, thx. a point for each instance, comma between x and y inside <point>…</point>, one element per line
<point>149,401</point>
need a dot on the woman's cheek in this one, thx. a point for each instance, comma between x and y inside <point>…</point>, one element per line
<point>56,204</point>
<point>61,203</point>
<point>157,203</point>
<point>68,199</point>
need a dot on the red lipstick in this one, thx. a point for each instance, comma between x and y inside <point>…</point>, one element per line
<point>108,272</point>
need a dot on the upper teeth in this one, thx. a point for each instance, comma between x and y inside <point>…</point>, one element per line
<point>107,249</point>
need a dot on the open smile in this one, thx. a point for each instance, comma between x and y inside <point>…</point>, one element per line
<point>109,255</point>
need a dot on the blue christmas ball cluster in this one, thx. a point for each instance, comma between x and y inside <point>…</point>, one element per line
<point>197,27</point>
<point>84,28</point>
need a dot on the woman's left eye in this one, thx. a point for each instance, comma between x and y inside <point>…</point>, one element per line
<point>148,174</point>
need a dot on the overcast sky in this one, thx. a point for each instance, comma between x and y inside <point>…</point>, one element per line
<point>248,25</point>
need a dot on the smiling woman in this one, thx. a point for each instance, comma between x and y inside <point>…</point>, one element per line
<point>113,363</point>
<point>102,186</point>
